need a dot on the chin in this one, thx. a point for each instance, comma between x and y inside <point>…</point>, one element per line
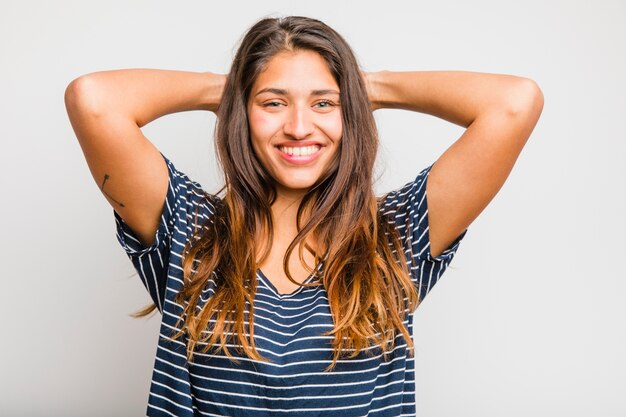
<point>297,185</point>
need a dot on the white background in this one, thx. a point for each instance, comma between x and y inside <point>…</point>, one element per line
<point>529,320</point>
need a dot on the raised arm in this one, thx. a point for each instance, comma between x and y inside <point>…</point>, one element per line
<point>499,112</point>
<point>107,110</point>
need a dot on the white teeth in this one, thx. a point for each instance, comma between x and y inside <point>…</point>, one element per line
<point>300,151</point>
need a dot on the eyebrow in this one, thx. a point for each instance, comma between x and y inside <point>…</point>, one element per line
<point>283,92</point>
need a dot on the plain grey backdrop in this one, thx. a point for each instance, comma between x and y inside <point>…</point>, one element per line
<point>530,319</point>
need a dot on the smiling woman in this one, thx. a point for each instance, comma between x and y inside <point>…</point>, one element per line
<point>302,88</point>
<point>250,326</point>
<point>295,121</point>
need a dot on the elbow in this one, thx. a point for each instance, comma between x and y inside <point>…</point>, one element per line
<point>526,98</point>
<point>81,96</point>
<point>71,94</point>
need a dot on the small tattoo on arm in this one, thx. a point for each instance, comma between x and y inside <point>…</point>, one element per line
<point>106,177</point>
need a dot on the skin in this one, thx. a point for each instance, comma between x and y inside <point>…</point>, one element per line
<point>499,113</point>
<point>293,102</point>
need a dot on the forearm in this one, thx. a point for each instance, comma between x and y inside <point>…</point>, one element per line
<point>456,96</point>
<point>147,94</point>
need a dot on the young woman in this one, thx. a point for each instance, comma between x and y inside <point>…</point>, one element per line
<point>291,290</point>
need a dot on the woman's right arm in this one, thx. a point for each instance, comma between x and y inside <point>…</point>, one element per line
<point>107,110</point>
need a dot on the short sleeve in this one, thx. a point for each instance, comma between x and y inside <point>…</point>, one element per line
<point>407,210</point>
<point>152,262</point>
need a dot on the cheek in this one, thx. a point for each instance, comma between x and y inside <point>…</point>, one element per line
<point>260,134</point>
<point>261,125</point>
<point>333,127</point>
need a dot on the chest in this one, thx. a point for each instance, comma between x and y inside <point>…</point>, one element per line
<point>272,269</point>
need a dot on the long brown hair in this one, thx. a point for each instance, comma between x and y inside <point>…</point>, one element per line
<point>364,272</point>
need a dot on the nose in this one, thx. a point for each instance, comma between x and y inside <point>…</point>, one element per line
<point>298,124</point>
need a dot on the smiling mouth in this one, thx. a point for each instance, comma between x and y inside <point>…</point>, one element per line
<point>300,151</point>
<point>301,155</point>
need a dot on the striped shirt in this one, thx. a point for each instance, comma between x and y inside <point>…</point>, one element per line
<point>288,328</point>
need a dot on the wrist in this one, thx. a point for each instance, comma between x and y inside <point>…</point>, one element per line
<point>213,90</point>
<point>375,87</point>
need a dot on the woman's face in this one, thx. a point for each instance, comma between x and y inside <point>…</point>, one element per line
<point>295,120</point>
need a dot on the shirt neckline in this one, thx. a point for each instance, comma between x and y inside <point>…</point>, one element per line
<point>268,283</point>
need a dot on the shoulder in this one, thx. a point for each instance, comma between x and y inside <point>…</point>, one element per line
<point>405,195</point>
<point>187,201</point>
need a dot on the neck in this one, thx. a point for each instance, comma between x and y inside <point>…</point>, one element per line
<point>284,214</point>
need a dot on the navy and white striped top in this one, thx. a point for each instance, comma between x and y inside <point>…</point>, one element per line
<point>288,328</point>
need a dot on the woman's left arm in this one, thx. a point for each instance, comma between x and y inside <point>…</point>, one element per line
<point>499,113</point>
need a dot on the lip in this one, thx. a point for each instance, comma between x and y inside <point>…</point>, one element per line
<point>299,160</point>
<point>300,144</point>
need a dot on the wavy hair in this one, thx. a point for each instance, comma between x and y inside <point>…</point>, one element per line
<point>364,272</point>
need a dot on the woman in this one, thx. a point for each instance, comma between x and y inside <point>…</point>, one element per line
<point>293,292</point>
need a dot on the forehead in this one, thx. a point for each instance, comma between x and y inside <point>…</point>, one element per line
<point>299,71</point>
